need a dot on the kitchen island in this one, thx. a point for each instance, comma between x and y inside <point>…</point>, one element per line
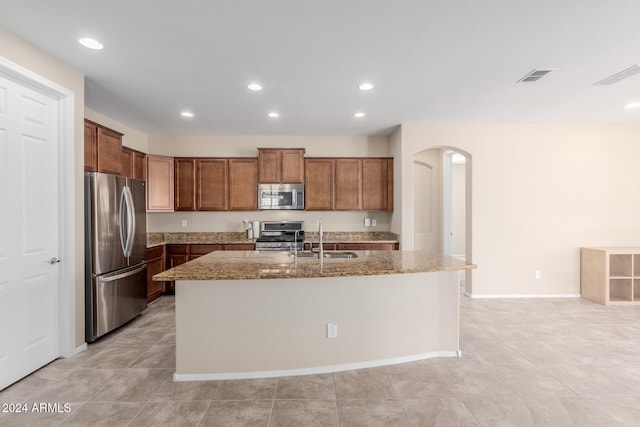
<point>248,314</point>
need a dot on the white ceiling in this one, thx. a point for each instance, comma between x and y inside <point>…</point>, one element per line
<point>450,61</point>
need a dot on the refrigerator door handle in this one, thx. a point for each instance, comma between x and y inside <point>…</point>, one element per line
<point>123,275</point>
<point>123,223</point>
<point>131,220</point>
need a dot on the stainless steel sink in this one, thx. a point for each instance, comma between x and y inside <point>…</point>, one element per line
<point>308,254</point>
<point>340,255</point>
<point>304,254</point>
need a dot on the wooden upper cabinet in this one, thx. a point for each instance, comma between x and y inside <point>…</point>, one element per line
<point>293,166</point>
<point>319,184</point>
<point>90,147</point>
<point>102,148</point>
<point>109,151</point>
<point>185,184</point>
<point>348,184</point>
<point>211,185</point>
<point>132,163</point>
<point>281,165</point>
<point>160,176</point>
<point>139,165</point>
<point>126,168</point>
<point>377,184</point>
<point>243,184</point>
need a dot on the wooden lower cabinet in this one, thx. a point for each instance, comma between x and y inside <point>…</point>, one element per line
<point>180,253</point>
<point>155,265</point>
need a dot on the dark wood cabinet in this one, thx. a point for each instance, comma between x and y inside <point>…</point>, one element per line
<point>90,146</point>
<point>243,184</point>
<point>155,265</point>
<point>109,150</point>
<point>216,184</point>
<point>139,165</point>
<point>126,167</point>
<point>281,165</point>
<point>197,250</point>
<point>211,186</point>
<point>377,184</point>
<point>185,184</point>
<point>102,148</point>
<point>348,184</point>
<point>319,184</point>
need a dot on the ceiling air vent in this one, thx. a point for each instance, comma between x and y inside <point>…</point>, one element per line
<point>535,75</point>
<point>619,76</point>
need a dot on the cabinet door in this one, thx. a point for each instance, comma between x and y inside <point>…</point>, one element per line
<point>109,151</point>
<point>154,289</point>
<point>138,165</point>
<point>319,184</point>
<point>159,183</point>
<point>185,184</point>
<point>126,168</point>
<point>377,184</point>
<point>348,184</point>
<point>243,184</point>
<point>292,166</point>
<point>90,147</point>
<point>212,187</point>
<point>270,165</point>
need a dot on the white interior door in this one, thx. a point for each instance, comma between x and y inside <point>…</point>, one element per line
<point>29,224</point>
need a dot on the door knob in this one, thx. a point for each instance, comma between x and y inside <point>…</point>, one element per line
<point>54,260</point>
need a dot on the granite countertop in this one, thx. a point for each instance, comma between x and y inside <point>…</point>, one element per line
<point>212,238</point>
<point>242,265</point>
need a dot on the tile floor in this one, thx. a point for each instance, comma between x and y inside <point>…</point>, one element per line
<point>526,362</point>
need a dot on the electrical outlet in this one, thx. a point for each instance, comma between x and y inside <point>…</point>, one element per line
<point>374,222</point>
<point>367,222</point>
<point>332,330</point>
<point>183,223</point>
<point>538,275</point>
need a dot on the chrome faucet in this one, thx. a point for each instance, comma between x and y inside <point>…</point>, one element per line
<point>295,244</point>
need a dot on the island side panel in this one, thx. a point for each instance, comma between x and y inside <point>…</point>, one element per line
<point>242,327</point>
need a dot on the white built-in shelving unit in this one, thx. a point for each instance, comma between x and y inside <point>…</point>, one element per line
<point>610,275</point>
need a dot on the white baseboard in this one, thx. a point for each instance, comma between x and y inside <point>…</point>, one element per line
<point>480,296</point>
<point>77,350</point>
<point>316,370</point>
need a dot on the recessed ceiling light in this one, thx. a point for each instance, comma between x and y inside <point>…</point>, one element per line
<point>254,87</point>
<point>187,114</point>
<point>365,86</point>
<point>359,115</point>
<point>631,105</point>
<point>90,43</point>
<point>273,115</point>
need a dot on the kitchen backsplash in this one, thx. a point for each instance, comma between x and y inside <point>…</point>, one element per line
<point>333,221</point>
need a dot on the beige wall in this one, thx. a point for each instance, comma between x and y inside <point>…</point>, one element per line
<point>27,56</point>
<point>539,194</point>
<point>246,146</point>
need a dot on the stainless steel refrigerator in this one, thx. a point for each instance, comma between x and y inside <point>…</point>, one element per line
<point>115,251</point>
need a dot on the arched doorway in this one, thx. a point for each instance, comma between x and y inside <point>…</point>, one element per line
<point>442,204</point>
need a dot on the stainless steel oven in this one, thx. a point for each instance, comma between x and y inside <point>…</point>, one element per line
<point>281,196</point>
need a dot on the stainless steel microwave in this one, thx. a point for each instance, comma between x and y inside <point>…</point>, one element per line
<point>281,196</point>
